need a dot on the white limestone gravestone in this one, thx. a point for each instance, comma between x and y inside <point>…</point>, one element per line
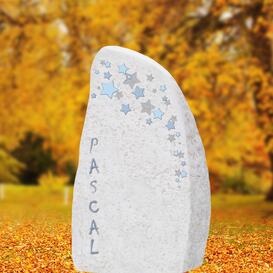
<point>141,197</point>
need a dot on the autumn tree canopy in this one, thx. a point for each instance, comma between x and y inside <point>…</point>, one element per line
<point>220,52</point>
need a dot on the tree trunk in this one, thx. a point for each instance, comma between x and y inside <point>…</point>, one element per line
<point>2,191</point>
<point>269,196</point>
<point>264,112</point>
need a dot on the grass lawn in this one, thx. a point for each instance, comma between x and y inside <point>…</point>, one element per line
<point>35,233</point>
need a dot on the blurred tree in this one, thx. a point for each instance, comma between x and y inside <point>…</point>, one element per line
<point>245,29</point>
<point>36,158</point>
<point>70,170</point>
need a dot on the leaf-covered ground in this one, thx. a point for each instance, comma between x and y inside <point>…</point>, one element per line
<point>35,233</point>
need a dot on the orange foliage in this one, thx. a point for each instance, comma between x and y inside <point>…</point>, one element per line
<point>221,55</point>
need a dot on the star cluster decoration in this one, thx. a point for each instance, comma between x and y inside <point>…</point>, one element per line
<point>113,89</point>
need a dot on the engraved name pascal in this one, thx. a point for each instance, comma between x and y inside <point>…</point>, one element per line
<point>93,204</point>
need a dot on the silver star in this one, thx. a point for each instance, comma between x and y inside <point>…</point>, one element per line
<point>119,95</point>
<point>171,138</point>
<point>177,173</point>
<point>131,80</point>
<point>173,118</point>
<point>147,107</point>
<point>149,121</point>
<point>150,77</point>
<point>167,102</point>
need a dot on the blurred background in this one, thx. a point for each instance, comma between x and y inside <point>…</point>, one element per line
<point>219,51</point>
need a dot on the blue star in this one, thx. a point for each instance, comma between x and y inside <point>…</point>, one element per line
<point>107,75</point>
<point>93,95</point>
<point>179,154</point>
<point>163,88</point>
<point>158,114</point>
<point>170,125</point>
<point>125,108</point>
<point>183,174</point>
<point>107,64</point>
<point>108,89</point>
<point>148,121</point>
<point>122,68</point>
<point>138,92</point>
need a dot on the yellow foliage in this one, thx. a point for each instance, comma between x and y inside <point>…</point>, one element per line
<point>223,67</point>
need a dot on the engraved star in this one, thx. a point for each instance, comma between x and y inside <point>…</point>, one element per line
<point>108,89</point>
<point>147,107</point>
<point>170,125</point>
<point>158,114</point>
<point>131,79</point>
<point>93,96</point>
<point>148,121</point>
<point>177,173</point>
<point>178,134</point>
<point>179,154</point>
<point>167,102</point>
<point>122,68</point>
<point>154,90</point>
<point>138,92</point>
<point>183,163</point>
<point>107,64</point>
<point>173,118</point>
<point>107,75</point>
<point>183,174</point>
<point>150,77</point>
<point>171,138</point>
<point>125,108</point>
<point>165,98</point>
<point>163,88</point>
<point>119,95</point>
